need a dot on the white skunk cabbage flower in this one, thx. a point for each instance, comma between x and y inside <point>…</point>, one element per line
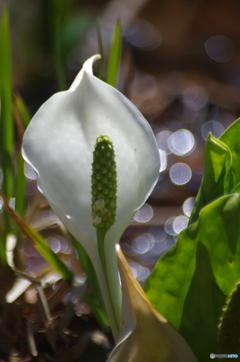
<point>145,334</point>
<point>97,162</point>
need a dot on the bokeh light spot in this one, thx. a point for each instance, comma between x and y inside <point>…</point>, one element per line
<point>143,273</point>
<point>169,226</point>
<point>214,127</point>
<point>1,176</point>
<point>29,172</point>
<point>143,35</point>
<point>195,98</point>
<point>143,243</point>
<point>181,142</point>
<point>180,223</point>
<point>1,204</point>
<point>163,160</point>
<point>12,203</point>
<point>140,272</point>
<point>180,173</point>
<point>158,233</point>
<point>219,48</point>
<point>54,244</point>
<point>162,141</point>
<point>134,271</point>
<point>29,250</point>
<point>188,206</point>
<point>144,214</point>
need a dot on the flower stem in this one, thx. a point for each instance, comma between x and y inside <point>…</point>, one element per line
<point>101,232</point>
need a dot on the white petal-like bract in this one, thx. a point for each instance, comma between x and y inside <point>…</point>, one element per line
<point>59,145</point>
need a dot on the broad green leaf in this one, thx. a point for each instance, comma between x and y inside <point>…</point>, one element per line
<point>217,163</point>
<point>169,283</point>
<point>231,138</point>
<point>221,168</point>
<point>229,326</point>
<point>114,57</point>
<point>217,177</point>
<point>236,189</point>
<point>39,243</point>
<point>190,284</point>
<point>202,308</point>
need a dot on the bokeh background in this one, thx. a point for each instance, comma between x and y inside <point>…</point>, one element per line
<point>180,67</point>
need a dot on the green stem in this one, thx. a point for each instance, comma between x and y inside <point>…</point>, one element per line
<point>101,232</point>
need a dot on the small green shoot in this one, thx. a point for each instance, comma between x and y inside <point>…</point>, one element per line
<point>114,57</point>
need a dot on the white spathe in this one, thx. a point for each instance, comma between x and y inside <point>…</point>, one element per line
<point>59,145</point>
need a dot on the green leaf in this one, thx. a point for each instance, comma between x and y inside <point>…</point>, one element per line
<point>202,308</point>
<point>190,284</point>
<point>221,168</point>
<point>100,51</point>
<point>231,138</point>
<point>114,57</point>
<point>217,161</point>
<point>168,284</point>
<point>229,327</point>
<point>217,177</point>
<point>6,124</point>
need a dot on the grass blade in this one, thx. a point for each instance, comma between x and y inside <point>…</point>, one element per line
<point>39,243</point>
<point>22,110</point>
<point>22,119</point>
<point>100,50</point>
<point>6,125</point>
<point>114,58</point>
